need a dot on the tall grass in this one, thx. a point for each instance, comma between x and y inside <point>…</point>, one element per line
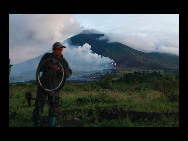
<point>118,104</point>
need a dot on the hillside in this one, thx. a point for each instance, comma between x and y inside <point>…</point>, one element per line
<point>127,56</point>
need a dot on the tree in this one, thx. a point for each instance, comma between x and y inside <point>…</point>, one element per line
<point>10,65</point>
<point>105,81</point>
<point>170,86</point>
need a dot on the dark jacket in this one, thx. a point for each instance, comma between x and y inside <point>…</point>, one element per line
<point>45,79</point>
<point>68,69</point>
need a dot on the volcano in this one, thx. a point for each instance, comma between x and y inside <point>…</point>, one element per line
<point>126,56</point>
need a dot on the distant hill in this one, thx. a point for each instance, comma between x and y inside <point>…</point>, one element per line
<point>126,56</point>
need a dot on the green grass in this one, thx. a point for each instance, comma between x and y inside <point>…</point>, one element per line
<point>122,105</point>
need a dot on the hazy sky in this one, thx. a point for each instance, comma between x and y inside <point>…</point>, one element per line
<point>144,32</point>
<point>134,23</point>
<point>30,35</point>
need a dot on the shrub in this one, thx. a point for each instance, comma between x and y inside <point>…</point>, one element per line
<point>10,65</point>
<point>169,83</point>
<point>105,81</point>
<point>169,86</point>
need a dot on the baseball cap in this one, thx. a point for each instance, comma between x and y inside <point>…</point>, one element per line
<point>57,45</point>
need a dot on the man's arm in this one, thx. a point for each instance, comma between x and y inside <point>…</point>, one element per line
<point>69,71</point>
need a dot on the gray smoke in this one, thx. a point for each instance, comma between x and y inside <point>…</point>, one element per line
<point>82,58</point>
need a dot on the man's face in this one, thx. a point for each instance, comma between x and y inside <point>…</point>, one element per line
<point>57,52</point>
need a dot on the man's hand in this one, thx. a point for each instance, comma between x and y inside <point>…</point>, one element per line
<point>54,67</point>
<point>61,70</point>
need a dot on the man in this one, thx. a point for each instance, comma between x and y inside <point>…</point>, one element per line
<point>57,52</point>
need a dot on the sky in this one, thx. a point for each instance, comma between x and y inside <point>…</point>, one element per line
<point>31,35</point>
<point>143,32</point>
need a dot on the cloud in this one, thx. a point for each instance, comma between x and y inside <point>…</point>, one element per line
<point>138,42</point>
<point>144,43</point>
<point>30,35</point>
<point>171,50</point>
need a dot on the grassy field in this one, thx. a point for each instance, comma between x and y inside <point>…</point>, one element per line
<point>119,105</point>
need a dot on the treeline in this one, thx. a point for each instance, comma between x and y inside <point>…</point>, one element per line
<point>144,77</point>
<point>139,77</point>
<point>167,83</point>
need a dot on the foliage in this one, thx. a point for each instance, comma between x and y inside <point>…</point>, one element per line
<point>102,108</point>
<point>108,102</point>
<point>170,86</point>
<point>167,83</point>
<point>139,77</point>
<point>105,81</point>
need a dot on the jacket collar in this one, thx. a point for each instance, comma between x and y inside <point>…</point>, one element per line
<point>54,56</point>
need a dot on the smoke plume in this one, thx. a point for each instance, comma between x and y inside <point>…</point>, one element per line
<point>81,58</point>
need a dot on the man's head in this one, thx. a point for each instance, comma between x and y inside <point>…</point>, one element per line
<point>57,49</point>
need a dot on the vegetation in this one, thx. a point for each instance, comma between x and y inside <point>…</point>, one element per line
<point>10,65</point>
<point>131,100</point>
